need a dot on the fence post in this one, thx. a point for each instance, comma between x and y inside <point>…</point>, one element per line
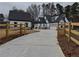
<point>64,30</point>
<point>58,30</point>
<point>24,28</point>
<point>72,26</point>
<point>20,29</point>
<point>69,31</point>
<point>7,30</point>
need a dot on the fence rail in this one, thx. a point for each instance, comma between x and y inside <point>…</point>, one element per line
<point>73,24</point>
<point>5,32</point>
<point>69,30</point>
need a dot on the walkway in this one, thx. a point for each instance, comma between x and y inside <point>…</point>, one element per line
<point>40,44</point>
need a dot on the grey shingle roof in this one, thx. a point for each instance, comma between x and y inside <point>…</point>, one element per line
<point>15,15</point>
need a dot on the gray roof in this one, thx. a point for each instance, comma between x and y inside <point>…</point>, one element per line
<point>17,15</point>
<point>61,17</point>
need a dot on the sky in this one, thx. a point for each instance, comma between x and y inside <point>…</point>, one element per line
<point>6,6</point>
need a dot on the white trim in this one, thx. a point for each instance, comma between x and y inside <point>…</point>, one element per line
<point>66,19</point>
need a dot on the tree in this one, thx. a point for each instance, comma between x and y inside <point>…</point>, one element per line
<point>59,8</point>
<point>34,10</point>
<point>52,9</point>
<point>75,9</point>
<point>44,9</point>
<point>48,9</point>
<point>68,11</point>
<point>72,11</point>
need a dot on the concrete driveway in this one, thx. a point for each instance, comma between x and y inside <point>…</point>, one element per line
<point>40,44</point>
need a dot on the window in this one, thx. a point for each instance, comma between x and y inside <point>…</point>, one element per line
<point>15,24</point>
<point>26,24</point>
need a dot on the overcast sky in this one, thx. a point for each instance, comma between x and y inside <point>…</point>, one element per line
<point>6,6</point>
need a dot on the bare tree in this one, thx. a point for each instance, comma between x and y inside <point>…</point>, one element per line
<point>34,10</point>
<point>14,8</point>
<point>59,8</point>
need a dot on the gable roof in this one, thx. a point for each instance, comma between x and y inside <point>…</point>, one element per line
<point>17,15</point>
<point>61,17</point>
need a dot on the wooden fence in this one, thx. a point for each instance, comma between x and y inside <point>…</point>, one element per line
<point>22,29</point>
<point>67,29</point>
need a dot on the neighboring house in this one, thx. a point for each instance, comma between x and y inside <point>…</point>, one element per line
<point>2,21</point>
<point>40,23</point>
<point>61,19</point>
<point>19,17</point>
<point>1,17</point>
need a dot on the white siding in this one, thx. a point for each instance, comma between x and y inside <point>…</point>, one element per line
<point>20,22</point>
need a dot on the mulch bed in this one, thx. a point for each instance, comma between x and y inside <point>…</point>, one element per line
<point>70,49</point>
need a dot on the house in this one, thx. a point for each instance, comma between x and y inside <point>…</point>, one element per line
<point>1,17</point>
<point>19,17</point>
<point>2,21</point>
<point>61,19</point>
<point>40,23</point>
